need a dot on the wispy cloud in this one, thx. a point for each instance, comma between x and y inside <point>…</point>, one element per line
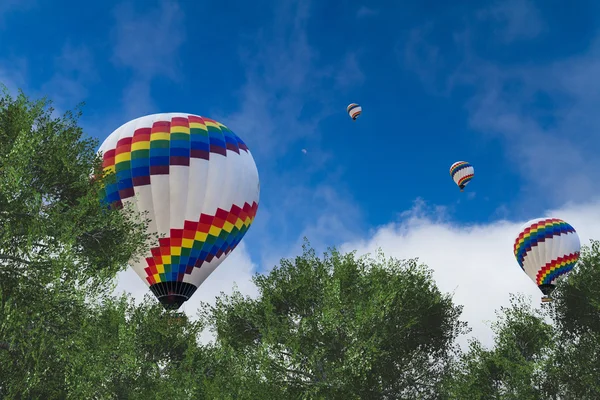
<point>13,74</point>
<point>281,75</point>
<point>8,7</point>
<point>287,87</point>
<point>419,54</point>
<point>365,11</point>
<point>74,71</point>
<point>350,73</point>
<point>514,19</point>
<point>287,94</point>
<point>147,42</point>
<point>544,112</point>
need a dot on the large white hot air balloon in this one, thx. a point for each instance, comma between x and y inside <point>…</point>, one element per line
<point>198,182</point>
<point>547,249</point>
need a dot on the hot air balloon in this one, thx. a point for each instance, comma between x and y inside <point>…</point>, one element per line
<point>354,110</point>
<point>462,172</point>
<point>547,249</point>
<point>199,183</point>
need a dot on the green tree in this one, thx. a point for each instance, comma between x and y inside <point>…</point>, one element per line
<point>58,244</point>
<point>337,327</point>
<point>513,368</point>
<point>532,359</point>
<point>575,365</point>
<point>123,351</point>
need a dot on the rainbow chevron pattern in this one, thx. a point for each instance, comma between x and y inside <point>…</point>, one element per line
<point>152,150</point>
<point>556,247</point>
<point>198,242</point>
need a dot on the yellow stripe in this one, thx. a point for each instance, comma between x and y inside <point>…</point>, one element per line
<point>228,226</point>
<point>122,157</point>
<point>197,125</point>
<point>201,236</point>
<point>159,136</point>
<point>145,145</point>
<point>180,129</point>
<point>214,231</point>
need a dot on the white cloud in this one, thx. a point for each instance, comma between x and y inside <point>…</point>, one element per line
<point>474,262</point>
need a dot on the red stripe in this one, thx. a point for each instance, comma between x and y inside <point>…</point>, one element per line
<point>180,121</point>
<point>195,119</point>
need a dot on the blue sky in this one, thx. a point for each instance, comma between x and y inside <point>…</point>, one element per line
<point>510,86</point>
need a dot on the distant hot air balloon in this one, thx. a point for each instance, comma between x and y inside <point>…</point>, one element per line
<point>354,110</point>
<point>462,172</point>
<point>198,182</point>
<point>547,249</point>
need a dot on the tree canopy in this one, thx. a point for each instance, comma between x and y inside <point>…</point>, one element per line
<point>332,327</point>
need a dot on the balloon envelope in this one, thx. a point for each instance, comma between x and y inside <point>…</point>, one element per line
<point>462,172</point>
<point>354,110</point>
<point>547,249</point>
<point>199,184</point>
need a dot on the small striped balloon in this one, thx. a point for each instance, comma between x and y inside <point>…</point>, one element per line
<point>354,110</point>
<point>462,172</point>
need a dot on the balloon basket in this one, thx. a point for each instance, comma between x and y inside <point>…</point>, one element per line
<point>546,299</point>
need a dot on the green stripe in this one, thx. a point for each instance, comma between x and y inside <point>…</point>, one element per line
<point>123,165</point>
<point>140,154</point>
<point>159,144</point>
<point>180,136</point>
<point>198,131</point>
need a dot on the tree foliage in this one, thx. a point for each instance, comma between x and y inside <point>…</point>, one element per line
<point>58,244</point>
<point>341,327</point>
<point>553,354</point>
<point>331,327</point>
